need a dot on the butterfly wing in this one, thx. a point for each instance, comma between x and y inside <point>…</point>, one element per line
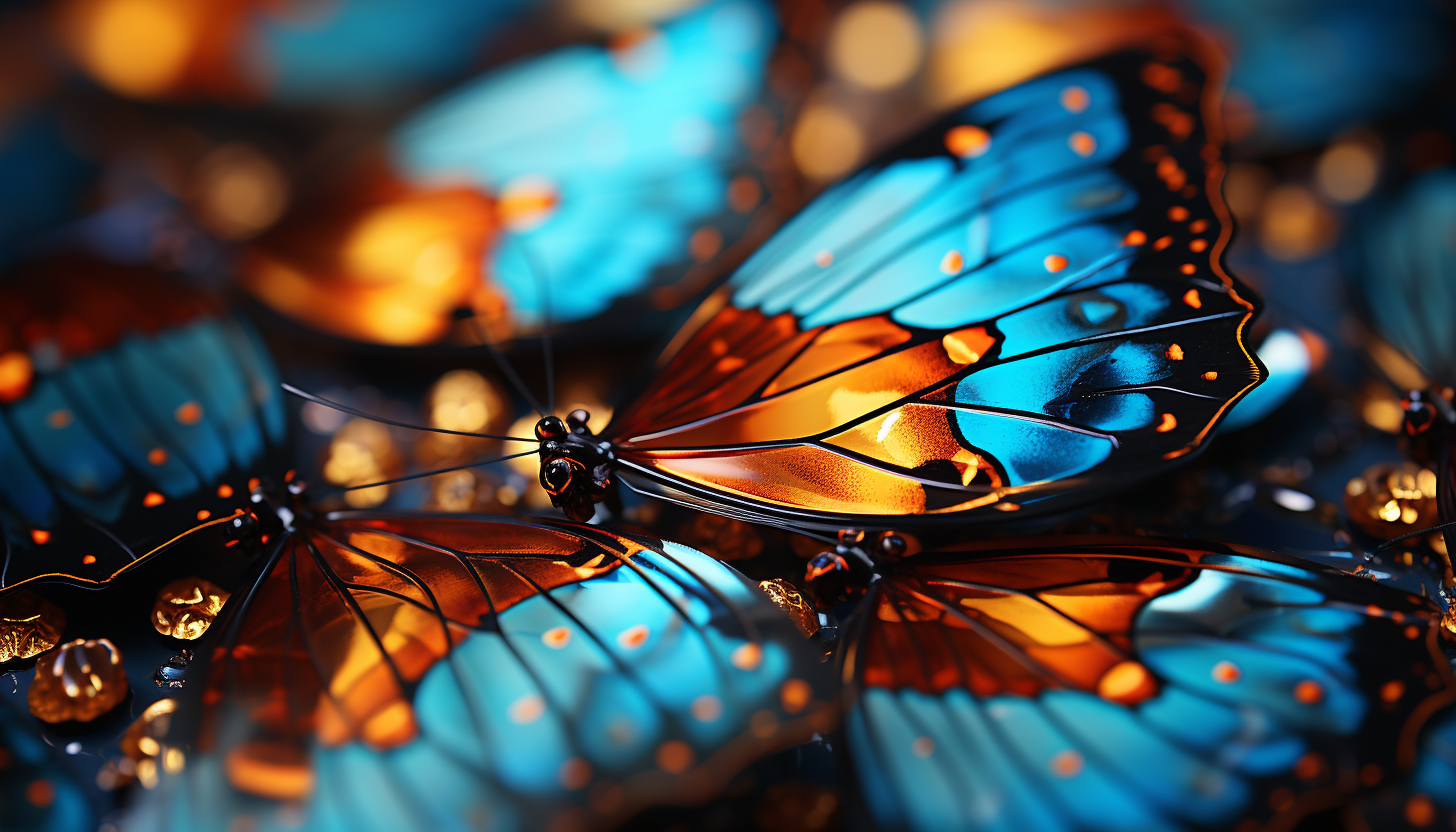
<point>1026,299</point>
<point>395,672</point>
<point>1406,273</point>
<point>563,181</point>
<point>1129,684</point>
<point>38,793</point>
<point>128,403</point>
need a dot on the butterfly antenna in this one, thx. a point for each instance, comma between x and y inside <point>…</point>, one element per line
<point>506,369</point>
<point>131,555</point>
<point>424,474</point>
<point>4,568</point>
<point>1408,535</point>
<point>543,286</point>
<point>343,408</point>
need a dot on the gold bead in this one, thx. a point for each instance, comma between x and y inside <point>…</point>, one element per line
<point>185,608</point>
<point>29,626</point>
<point>1389,500</point>
<point>79,682</point>
<point>789,600</point>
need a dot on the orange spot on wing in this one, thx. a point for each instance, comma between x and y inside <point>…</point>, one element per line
<point>189,413</point>
<point>1134,238</point>
<point>88,559</point>
<point>1177,213</point>
<point>1191,298</point>
<point>203,514</point>
<point>157,456</point>
<point>1309,692</point>
<point>1067,764</point>
<point>1169,422</point>
<point>1054,263</point>
<point>153,499</point>
<point>1082,143</point>
<point>967,141</point>
<point>1075,99</point>
<point>40,536</point>
<point>1198,245</point>
<point>1211,375</point>
<point>1162,243</point>
<point>1226,672</point>
<point>1127,683</point>
<point>952,262</point>
<point>224,491</point>
<point>1174,353</point>
<point>1188,268</point>
<point>1392,691</point>
<point>1198,226</point>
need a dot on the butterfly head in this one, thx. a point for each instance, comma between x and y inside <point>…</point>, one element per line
<point>274,510</point>
<point>834,577</point>
<point>1428,424</point>
<point>575,466</point>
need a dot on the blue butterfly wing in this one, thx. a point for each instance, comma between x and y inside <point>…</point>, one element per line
<point>138,423</point>
<point>1098,684</point>
<point>1032,289</point>
<point>634,146</point>
<point>463,673</point>
<point>38,792</point>
<point>1406,273</point>
<point>1303,71</point>
<point>367,52</point>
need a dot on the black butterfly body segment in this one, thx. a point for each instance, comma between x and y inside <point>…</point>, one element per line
<point>1025,301</point>
<point>399,672</point>
<point>1098,683</point>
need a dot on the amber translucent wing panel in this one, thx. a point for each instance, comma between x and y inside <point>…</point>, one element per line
<point>413,671</point>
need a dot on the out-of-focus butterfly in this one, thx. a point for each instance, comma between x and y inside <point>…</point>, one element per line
<point>1304,69</point>
<point>400,672</point>
<point>1404,268</point>
<point>1025,301</point>
<point>546,189</point>
<point>41,176</point>
<point>38,793</point>
<point>344,53</point>
<point>127,405</point>
<point>1105,683</point>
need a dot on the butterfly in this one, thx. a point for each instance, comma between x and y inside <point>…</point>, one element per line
<point>38,793</point>
<point>1303,71</point>
<point>1134,683</point>
<point>542,191</point>
<point>1026,301</point>
<point>127,404</point>
<point>411,671</point>
<point>1402,269</point>
<point>41,176</point>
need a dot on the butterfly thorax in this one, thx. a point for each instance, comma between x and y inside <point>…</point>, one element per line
<point>844,573</point>
<point>575,466</point>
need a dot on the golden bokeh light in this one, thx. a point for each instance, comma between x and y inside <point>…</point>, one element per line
<point>1348,169</point>
<point>622,15</point>
<point>1295,224</point>
<point>981,46</point>
<point>463,400</point>
<point>136,47</point>
<point>239,191</point>
<point>827,143</point>
<point>362,452</point>
<point>876,45</point>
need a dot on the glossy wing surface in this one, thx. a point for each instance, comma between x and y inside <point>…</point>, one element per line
<point>446,673</point>
<point>125,398</point>
<point>1132,685</point>
<point>1027,298</point>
